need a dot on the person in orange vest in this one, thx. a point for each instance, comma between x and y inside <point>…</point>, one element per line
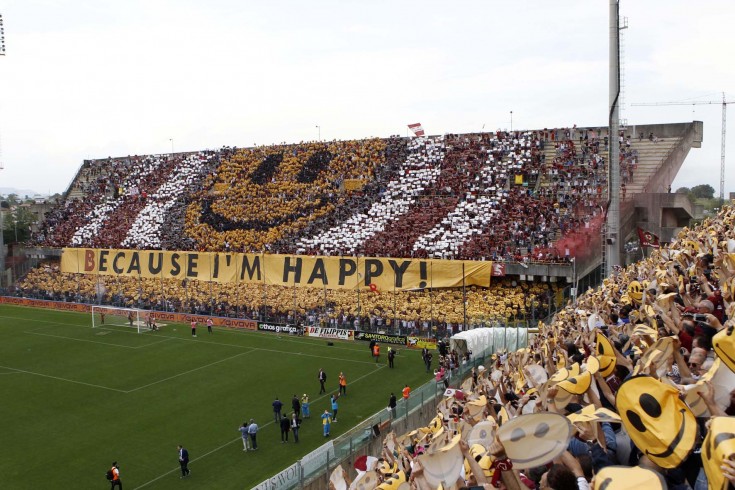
<point>376,352</point>
<point>342,384</point>
<point>116,482</point>
<point>406,392</point>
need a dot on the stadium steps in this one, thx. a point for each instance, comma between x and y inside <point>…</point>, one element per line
<point>650,158</point>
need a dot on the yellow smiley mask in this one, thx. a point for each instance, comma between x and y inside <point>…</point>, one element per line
<point>718,446</point>
<point>657,421</point>
<point>397,481</point>
<point>576,385</point>
<point>724,344</point>
<point>635,291</point>
<point>535,439</point>
<point>605,354</point>
<point>626,477</point>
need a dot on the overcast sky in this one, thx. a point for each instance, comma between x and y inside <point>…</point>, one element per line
<point>98,78</point>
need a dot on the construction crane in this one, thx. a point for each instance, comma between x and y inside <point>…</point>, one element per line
<point>724,103</point>
<point>2,37</point>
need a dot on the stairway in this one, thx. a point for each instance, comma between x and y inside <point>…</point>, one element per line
<point>650,157</point>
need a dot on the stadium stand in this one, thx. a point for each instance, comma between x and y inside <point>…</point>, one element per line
<point>443,197</point>
<point>527,196</point>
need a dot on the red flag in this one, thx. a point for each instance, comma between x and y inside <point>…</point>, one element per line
<point>498,269</point>
<point>647,238</point>
<point>417,129</point>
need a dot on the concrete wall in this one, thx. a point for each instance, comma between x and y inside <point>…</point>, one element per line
<point>663,214</point>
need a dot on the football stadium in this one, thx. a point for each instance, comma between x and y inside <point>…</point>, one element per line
<point>514,308</point>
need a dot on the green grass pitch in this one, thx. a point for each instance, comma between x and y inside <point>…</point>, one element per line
<point>74,398</point>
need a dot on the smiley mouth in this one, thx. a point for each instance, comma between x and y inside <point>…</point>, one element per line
<point>222,223</point>
<point>722,353</point>
<point>537,457</point>
<point>672,447</point>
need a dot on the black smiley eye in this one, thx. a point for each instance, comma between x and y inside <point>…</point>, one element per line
<point>606,483</point>
<point>541,430</point>
<point>724,436</point>
<point>267,168</point>
<point>636,421</point>
<point>517,435</point>
<point>313,166</point>
<point>650,405</point>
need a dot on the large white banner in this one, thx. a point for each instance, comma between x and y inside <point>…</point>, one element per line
<point>288,478</point>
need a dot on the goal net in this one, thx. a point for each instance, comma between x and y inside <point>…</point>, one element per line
<point>122,317</point>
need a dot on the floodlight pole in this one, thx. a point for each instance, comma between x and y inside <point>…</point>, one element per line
<point>612,234</point>
<point>2,246</point>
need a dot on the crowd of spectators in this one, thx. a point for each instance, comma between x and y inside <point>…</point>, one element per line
<point>94,183</point>
<point>632,386</point>
<point>420,169</point>
<point>146,230</point>
<point>417,311</point>
<point>123,202</point>
<point>501,196</point>
<point>262,195</point>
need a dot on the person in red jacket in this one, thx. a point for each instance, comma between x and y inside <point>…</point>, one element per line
<point>115,482</point>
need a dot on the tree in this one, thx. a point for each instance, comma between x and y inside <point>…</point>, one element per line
<point>703,191</point>
<point>17,223</point>
<point>683,190</point>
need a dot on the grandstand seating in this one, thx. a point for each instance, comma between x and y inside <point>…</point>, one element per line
<point>522,196</point>
<point>472,196</point>
<point>502,302</point>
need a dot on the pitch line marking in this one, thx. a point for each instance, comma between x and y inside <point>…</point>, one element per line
<point>238,438</point>
<point>30,332</point>
<point>63,379</point>
<point>189,371</point>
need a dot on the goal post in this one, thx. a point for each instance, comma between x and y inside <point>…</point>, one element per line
<point>121,317</point>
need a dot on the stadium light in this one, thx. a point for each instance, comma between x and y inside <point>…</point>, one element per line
<point>2,37</point>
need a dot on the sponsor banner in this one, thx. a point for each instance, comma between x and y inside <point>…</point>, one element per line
<point>420,343</point>
<point>288,478</point>
<point>40,303</point>
<point>238,323</point>
<point>329,333</point>
<point>367,273</point>
<point>279,328</point>
<point>380,337</point>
